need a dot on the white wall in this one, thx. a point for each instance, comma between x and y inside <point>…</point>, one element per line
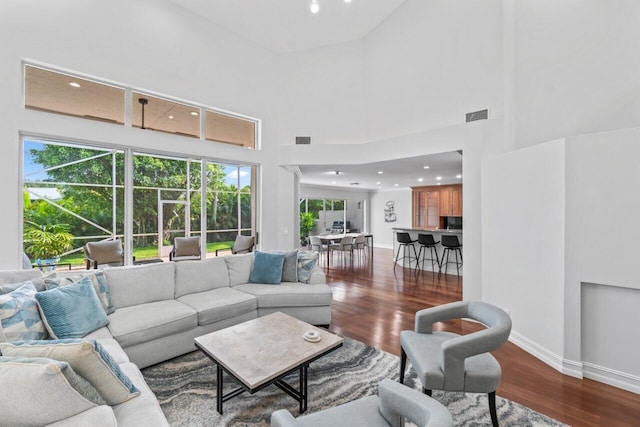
<point>603,232</point>
<point>381,230</point>
<point>430,63</point>
<point>575,67</point>
<point>523,241</point>
<point>148,44</point>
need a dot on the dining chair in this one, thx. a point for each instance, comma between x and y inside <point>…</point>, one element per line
<point>345,245</point>
<point>318,246</point>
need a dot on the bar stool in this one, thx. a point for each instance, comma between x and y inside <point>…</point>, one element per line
<point>405,240</point>
<point>428,242</point>
<point>451,243</point>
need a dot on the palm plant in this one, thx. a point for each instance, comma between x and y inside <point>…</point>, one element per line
<point>46,241</point>
<point>307,222</point>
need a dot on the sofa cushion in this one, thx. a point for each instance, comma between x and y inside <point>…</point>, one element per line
<point>199,276</point>
<point>38,391</point>
<point>219,304</point>
<point>114,349</point>
<point>100,416</point>
<point>144,410</point>
<point>72,311</point>
<point>267,268</point>
<point>141,284</point>
<point>15,276</point>
<point>37,282</point>
<point>288,294</point>
<point>146,322</point>
<point>19,316</point>
<point>239,268</point>
<point>87,359</point>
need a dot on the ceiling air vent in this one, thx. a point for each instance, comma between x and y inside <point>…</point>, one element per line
<point>303,140</point>
<point>477,115</point>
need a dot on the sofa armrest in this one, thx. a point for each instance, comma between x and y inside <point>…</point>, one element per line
<point>100,416</point>
<point>317,276</point>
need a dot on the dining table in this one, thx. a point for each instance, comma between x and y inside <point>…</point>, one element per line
<point>329,238</point>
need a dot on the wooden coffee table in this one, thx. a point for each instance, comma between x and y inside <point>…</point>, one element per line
<point>263,351</point>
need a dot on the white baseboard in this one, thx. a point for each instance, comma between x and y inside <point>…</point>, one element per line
<point>612,377</point>
<point>567,367</point>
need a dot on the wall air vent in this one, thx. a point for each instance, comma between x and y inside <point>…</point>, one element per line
<point>477,115</point>
<point>303,140</point>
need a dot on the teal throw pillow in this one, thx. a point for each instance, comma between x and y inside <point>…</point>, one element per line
<point>72,311</point>
<point>19,316</point>
<point>307,261</point>
<point>267,268</point>
<point>87,358</point>
<point>98,280</point>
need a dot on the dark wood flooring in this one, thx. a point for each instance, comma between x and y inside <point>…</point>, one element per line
<point>373,303</point>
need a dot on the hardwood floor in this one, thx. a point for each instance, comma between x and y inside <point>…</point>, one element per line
<point>373,303</point>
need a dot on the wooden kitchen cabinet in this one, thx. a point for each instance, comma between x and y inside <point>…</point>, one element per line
<point>451,201</point>
<point>426,208</point>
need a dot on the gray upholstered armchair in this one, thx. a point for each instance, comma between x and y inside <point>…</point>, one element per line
<point>393,403</point>
<point>451,362</point>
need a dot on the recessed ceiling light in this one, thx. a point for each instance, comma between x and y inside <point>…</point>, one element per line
<point>458,176</point>
<point>380,172</point>
<point>194,113</point>
<point>438,178</point>
<point>333,182</point>
<point>378,182</point>
<point>347,1</point>
<point>74,84</point>
<point>420,179</point>
<point>315,7</point>
<point>395,185</point>
<point>439,183</point>
<point>426,167</point>
<point>170,117</point>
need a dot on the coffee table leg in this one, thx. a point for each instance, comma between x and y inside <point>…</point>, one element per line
<point>219,390</point>
<point>303,388</point>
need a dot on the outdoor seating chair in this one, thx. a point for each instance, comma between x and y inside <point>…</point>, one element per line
<point>242,245</point>
<point>185,248</point>
<point>393,403</point>
<point>104,253</point>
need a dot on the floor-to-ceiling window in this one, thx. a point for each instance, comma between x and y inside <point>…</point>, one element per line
<point>79,190</point>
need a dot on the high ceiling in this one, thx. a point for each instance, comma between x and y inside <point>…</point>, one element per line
<point>285,26</point>
<point>403,172</point>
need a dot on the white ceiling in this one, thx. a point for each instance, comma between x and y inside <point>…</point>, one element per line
<point>288,25</point>
<point>404,172</point>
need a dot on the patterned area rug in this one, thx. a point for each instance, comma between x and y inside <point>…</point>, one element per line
<point>186,389</point>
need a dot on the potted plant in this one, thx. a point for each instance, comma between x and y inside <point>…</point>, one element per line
<point>307,222</point>
<point>45,243</point>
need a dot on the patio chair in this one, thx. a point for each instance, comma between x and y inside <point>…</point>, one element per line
<point>106,253</point>
<point>185,248</point>
<point>393,403</point>
<point>242,245</point>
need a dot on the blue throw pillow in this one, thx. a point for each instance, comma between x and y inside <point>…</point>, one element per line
<point>267,268</point>
<point>72,311</point>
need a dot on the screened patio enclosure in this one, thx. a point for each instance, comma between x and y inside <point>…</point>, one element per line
<point>84,188</point>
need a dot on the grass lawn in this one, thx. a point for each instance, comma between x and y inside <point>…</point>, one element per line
<point>144,252</point>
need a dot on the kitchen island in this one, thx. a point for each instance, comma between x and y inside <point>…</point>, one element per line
<point>437,235</point>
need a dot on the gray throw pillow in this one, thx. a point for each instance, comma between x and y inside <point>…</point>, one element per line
<point>290,267</point>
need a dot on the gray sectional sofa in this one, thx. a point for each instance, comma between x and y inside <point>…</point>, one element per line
<point>160,308</point>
